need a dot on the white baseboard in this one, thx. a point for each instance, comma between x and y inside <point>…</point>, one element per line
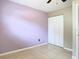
<point>22,49</point>
<point>68,49</point>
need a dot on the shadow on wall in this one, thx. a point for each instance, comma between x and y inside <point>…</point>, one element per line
<point>21,27</point>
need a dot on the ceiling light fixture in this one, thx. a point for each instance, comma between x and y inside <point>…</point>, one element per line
<point>64,0</point>
<point>49,1</point>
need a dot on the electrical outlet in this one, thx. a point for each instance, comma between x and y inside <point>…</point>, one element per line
<point>39,40</point>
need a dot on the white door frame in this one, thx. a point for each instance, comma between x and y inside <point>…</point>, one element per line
<point>77,32</point>
<point>63,30</point>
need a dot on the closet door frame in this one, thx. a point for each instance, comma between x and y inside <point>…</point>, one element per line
<point>62,45</point>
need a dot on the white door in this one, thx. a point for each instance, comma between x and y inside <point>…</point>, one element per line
<point>55,30</point>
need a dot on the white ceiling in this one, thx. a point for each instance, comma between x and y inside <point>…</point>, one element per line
<point>42,4</point>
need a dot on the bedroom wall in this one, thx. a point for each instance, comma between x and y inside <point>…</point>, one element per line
<point>21,26</point>
<point>67,12</point>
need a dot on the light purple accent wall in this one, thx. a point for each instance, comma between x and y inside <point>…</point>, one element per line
<point>21,27</point>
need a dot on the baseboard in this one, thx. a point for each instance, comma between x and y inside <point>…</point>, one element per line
<point>22,49</point>
<point>68,49</point>
<point>73,57</point>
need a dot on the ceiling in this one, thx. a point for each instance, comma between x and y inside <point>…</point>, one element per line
<point>43,6</point>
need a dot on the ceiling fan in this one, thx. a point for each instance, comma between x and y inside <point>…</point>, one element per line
<point>51,0</point>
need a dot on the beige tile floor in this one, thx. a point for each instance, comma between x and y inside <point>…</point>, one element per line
<point>43,52</point>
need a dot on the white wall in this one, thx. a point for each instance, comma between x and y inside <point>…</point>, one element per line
<point>21,26</point>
